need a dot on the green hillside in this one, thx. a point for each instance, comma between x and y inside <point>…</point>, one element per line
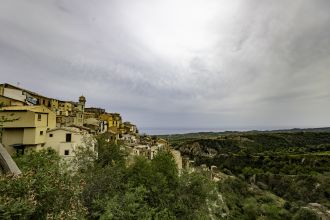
<point>295,166</point>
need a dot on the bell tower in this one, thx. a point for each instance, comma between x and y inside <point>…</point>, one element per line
<point>82,100</point>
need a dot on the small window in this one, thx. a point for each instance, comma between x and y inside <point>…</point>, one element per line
<point>39,117</point>
<point>68,137</point>
<point>66,152</point>
<point>41,132</point>
<point>50,135</point>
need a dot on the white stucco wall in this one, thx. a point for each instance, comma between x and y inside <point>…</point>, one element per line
<point>56,139</point>
<point>14,94</point>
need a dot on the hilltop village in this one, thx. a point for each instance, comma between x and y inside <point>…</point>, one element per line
<point>228,175</point>
<point>35,122</point>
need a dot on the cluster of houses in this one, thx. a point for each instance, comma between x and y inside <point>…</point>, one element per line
<point>34,121</point>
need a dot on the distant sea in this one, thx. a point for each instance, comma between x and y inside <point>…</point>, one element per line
<point>161,131</point>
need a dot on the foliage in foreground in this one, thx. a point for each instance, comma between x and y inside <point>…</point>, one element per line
<point>106,187</point>
<point>44,190</point>
<point>146,190</point>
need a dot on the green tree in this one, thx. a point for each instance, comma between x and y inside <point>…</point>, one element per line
<point>164,164</point>
<point>110,153</point>
<point>130,205</point>
<point>45,189</point>
<point>107,188</point>
<point>192,194</point>
<point>159,177</point>
<point>104,178</point>
<point>305,214</point>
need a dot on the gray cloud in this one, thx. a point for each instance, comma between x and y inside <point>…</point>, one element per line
<point>216,64</point>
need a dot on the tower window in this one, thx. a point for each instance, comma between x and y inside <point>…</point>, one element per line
<point>66,152</point>
<point>39,117</point>
<point>68,137</point>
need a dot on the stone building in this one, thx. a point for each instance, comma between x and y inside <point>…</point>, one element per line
<point>96,112</point>
<point>130,128</point>
<point>70,113</point>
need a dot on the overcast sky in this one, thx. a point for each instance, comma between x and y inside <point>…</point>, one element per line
<point>225,64</point>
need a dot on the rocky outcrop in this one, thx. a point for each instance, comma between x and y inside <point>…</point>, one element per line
<point>208,147</point>
<point>321,211</point>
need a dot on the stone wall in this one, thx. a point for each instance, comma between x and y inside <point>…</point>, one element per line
<point>7,164</point>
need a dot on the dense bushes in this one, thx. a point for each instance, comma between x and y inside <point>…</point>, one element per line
<point>45,190</point>
<point>265,143</point>
<point>278,153</point>
<point>109,186</point>
<point>294,166</point>
<point>305,214</point>
<point>247,202</point>
<point>146,190</point>
<point>299,189</point>
<point>104,187</point>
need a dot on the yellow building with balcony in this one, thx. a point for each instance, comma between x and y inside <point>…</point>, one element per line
<point>113,119</point>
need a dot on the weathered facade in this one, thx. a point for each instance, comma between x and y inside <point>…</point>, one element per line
<point>23,95</point>
<point>96,112</point>
<point>113,119</point>
<point>130,128</point>
<point>66,140</point>
<point>5,101</point>
<point>70,113</point>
